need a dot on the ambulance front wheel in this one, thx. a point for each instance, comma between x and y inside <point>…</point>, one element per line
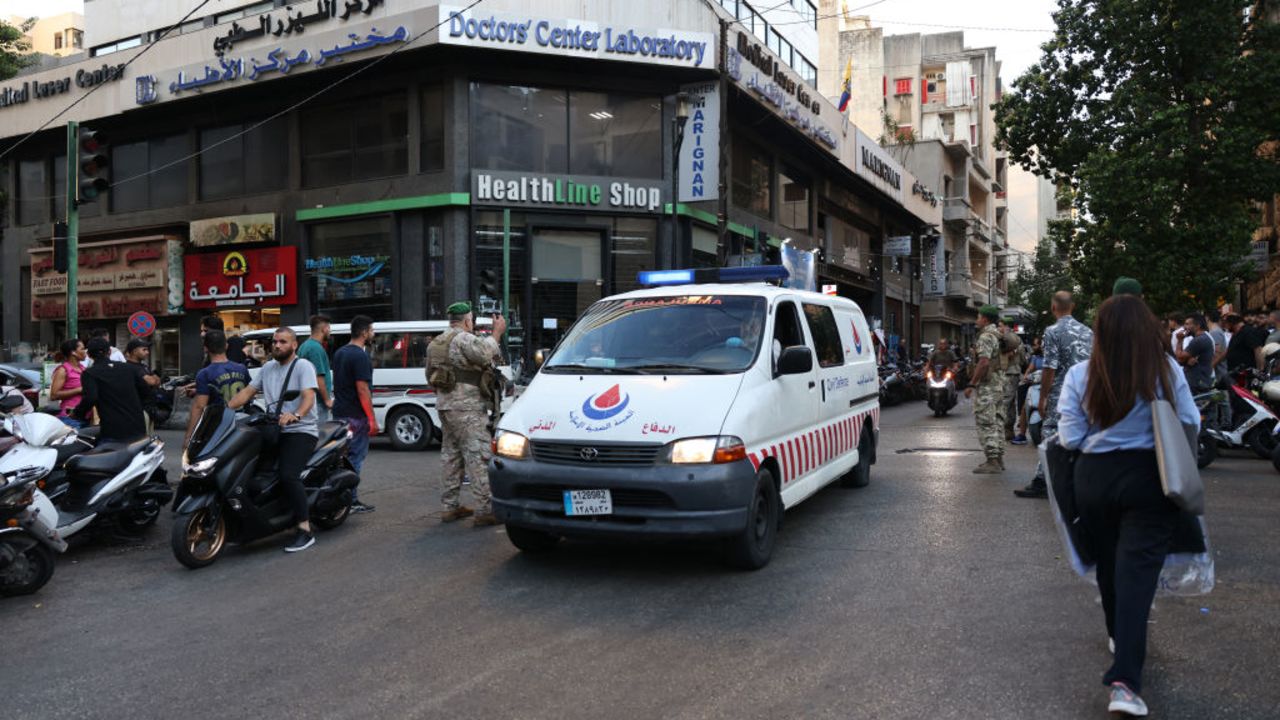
<point>860,475</point>
<point>753,547</point>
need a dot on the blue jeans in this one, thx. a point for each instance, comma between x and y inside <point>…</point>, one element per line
<point>359,449</point>
<point>71,422</point>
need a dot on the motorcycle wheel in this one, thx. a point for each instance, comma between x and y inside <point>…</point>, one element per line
<point>1207,451</point>
<point>1261,441</point>
<point>335,517</point>
<point>28,573</point>
<point>198,537</point>
<point>137,522</point>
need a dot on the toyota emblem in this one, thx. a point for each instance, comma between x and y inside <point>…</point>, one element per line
<point>589,454</point>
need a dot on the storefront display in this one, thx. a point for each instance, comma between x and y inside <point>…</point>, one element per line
<point>349,268</point>
<point>116,279</point>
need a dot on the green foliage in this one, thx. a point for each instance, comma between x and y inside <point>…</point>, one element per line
<point>1034,287</point>
<point>1159,113</point>
<point>15,50</point>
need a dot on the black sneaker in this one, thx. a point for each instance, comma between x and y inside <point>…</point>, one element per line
<point>301,541</point>
<point>359,507</point>
<point>1034,490</point>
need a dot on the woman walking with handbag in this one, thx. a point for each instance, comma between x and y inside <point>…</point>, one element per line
<point>1106,413</point>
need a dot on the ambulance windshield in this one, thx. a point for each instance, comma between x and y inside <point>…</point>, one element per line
<point>695,334</point>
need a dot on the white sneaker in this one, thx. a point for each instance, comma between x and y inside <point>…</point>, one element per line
<point>1126,701</point>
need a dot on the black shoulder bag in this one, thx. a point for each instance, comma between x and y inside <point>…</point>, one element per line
<point>271,431</point>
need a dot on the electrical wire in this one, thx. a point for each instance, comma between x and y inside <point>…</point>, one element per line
<point>95,88</point>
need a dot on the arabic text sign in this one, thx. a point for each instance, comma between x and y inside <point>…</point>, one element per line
<point>253,278</point>
<point>576,38</point>
<point>116,278</point>
<point>898,246</point>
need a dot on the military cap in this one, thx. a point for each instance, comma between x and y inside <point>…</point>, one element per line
<point>1126,286</point>
<point>990,312</point>
<point>462,307</point>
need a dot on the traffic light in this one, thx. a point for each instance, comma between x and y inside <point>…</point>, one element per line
<point>60,260</point>
<point>489,283</point>
<point>91,165</point>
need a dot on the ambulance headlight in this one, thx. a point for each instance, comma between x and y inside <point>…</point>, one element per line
<point>715,449</point>
<point>511,445</point>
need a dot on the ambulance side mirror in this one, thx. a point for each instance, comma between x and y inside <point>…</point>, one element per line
<point>540,356</point>
<point>795,360</point>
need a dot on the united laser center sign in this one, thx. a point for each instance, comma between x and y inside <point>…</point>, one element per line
<point>577,38</point>
<point>509,189</point>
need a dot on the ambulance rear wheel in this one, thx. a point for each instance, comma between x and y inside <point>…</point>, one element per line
<point>753,547</point>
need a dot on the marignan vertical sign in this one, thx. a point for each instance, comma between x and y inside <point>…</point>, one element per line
<point>700,152</point>
<point>935,265</point>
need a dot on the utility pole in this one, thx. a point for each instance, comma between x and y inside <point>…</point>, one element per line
<point>73,228</point>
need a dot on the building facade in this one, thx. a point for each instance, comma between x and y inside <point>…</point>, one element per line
<point>57,35</point>
<point>255,176</point>
<point>928,99</point>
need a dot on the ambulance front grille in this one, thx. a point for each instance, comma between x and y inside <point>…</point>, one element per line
<point>583,454</point>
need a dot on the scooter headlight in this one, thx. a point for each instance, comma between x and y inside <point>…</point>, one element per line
<point>200,468</point>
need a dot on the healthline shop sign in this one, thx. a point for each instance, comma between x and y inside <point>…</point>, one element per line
<point>577,38</point>
<point>583,192</point>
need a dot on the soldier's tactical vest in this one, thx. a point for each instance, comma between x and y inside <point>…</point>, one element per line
<point>442,375</point>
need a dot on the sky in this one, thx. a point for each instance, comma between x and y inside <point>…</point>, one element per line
<point>1001,22</point>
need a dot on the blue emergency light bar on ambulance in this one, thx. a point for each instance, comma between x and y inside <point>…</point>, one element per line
<point>697,276</point>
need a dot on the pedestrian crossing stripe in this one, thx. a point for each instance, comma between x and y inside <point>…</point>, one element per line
<point>801,454</point>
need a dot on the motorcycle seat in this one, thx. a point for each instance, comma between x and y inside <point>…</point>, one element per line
<point>106,459</point>
<point>330,431</point>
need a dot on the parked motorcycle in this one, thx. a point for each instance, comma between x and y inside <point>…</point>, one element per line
<point>29,540</point>
<point>113,484</point>
<point>893,386</point>
<point>230,491</point>
<point>1241,419</point>
<point>943,394</point>
<point>165,395</point>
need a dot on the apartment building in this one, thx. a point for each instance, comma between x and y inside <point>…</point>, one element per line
<point>57,35</point>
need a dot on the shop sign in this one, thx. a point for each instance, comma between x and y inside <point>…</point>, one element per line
<point>576,38</point>
<point>284,22</point>
<point>115,279</point>
<point>83,79</point>
<point>877,166</point>
<point>898,246</point>
<point>515,189</point>
<point>257,228</point>
<point>935,265</point>
<point>1259,254</point>
<point>700,151</point>
<point>756,68</point>
<point>255,278</point>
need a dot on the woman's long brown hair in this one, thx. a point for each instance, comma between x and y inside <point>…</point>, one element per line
<point>1128,358</point>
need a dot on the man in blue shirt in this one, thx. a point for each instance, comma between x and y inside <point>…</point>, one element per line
<point>217,382</point>
<point>353,395</point>
<point>314,351</point>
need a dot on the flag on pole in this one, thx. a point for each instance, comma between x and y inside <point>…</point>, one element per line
<point>846,87</point>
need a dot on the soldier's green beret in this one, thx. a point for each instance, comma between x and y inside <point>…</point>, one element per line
<point>990,312</point>
<point>461,307</point>
<point>1126,286</point>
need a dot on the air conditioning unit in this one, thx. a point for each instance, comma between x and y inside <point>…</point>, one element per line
<point>940,76</point>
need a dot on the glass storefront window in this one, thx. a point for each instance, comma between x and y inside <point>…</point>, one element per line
<point>33,192</point>
<point>615,135</point>
<point>706,247</point>
<point>348,268</point>
<point>793,210</point>
<point>634,249</point>
<point>519,128</point>
<point>432,143</point>
<point>355,140</point>
<point>752,178</point>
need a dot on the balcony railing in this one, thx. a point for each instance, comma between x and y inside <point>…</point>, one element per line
<point>959,284</point>
<point>956,210</point>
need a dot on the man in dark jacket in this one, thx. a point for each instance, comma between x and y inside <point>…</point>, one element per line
<point>115,390</point>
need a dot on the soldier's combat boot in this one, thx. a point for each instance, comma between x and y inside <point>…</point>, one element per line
<point>992,466</point>
<point>484,520</point>
<point>457,513</point>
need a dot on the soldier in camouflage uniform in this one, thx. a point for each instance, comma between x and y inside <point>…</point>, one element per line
<point>1013,362</point>
<point>461,360</point>
<point>989,407</point>
<point>1067,342</point>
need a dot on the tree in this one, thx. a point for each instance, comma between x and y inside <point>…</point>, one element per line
<point>15,49</point>
<point>1159,113</point>
<point>1033,288</point>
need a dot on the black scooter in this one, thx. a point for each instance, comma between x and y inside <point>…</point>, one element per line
<point>229,493</point>
<point>165,393</point>
<point>942,390</point>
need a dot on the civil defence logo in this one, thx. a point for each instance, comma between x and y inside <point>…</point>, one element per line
<point>605,405</point>
<point>857,339</point>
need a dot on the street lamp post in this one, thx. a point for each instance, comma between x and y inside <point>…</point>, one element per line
<point>677,136</point>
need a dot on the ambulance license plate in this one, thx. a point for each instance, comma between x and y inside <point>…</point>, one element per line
<point>588,502</point>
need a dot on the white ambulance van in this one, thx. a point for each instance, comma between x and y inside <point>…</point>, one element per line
<point>699,410</point>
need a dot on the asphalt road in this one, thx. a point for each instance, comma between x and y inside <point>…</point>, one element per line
<point>931,593</point>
